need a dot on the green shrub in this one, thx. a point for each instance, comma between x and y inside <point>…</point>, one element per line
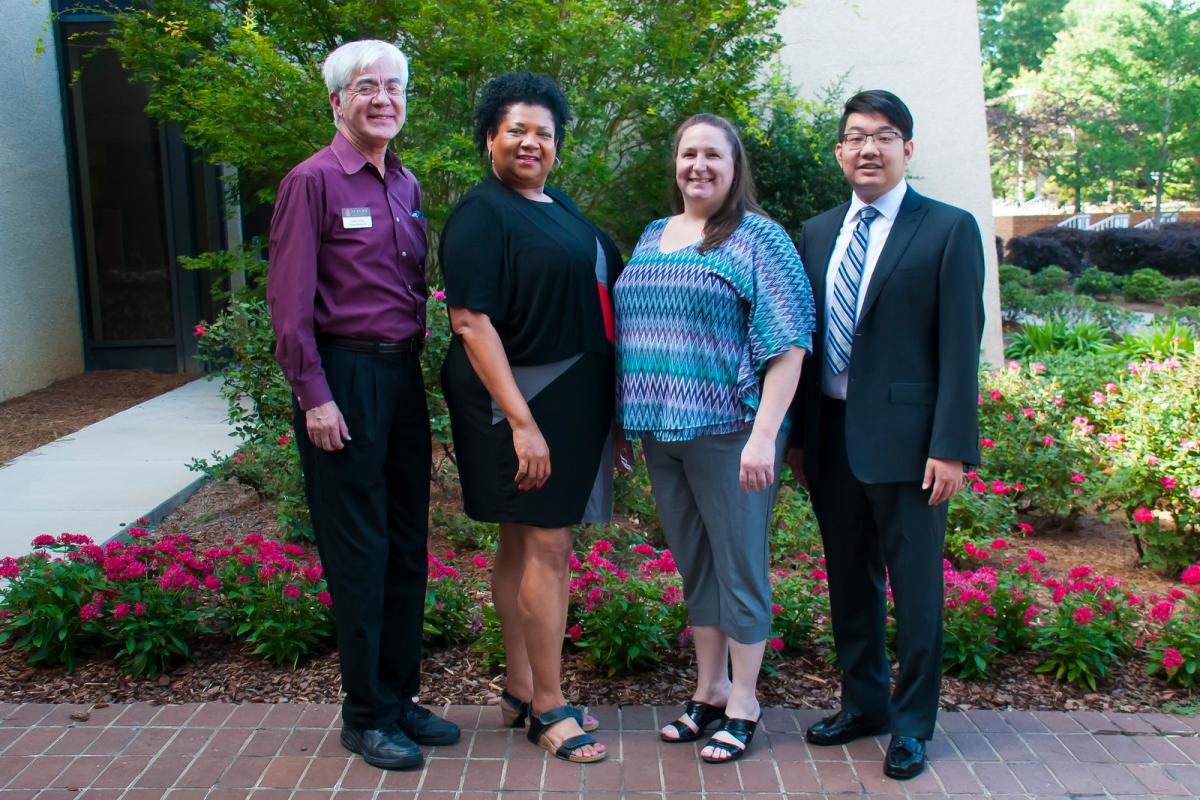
<point>1050,279</point>
<point>800,597</point>
<point>1146,286</point>
<point>794,529</point>
<point>1095,282</point>
<point>1186,291</point>
<point>1012,274</point>
<point>1163,339</point>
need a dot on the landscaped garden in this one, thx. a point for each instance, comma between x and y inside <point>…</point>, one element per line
<point>1070,568</point>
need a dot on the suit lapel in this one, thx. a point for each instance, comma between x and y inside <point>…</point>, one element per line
<point>912,211</point>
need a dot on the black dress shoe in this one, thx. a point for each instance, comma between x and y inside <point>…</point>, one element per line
<point>905,758</point>
<point>425,727</point>
<point>386,748</point>
<point>842,728</point>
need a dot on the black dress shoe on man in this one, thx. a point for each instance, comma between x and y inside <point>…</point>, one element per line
<point>425,727</point>
<point>386,748</point>
<point>842,728</point>
<point>905,758</point>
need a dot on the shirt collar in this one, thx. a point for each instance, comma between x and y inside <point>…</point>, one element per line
<point>351,160</point>
<point>887,204</point>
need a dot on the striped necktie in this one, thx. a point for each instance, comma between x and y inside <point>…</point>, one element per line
<point>842,312</point>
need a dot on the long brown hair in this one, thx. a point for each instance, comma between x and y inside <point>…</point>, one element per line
<point>740,199</point>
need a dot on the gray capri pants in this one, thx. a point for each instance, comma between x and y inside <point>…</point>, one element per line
<point>717,532</point>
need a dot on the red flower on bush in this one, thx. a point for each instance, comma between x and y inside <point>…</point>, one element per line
<point>325,599</point>
<point>1143,515</point>
<point>775,644</point>
<point>575,633</point>
<point>1162,611</point>
<point>1025,528</point>
<point>1168,482</point>
<point>1084,614</point>
<point>987,442</point>
<point>1171,658</point>
<point>291,592</point>
<point>45,540</point>
<point>1191,575</point>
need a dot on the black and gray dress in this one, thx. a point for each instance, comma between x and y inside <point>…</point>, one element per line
<point>543,274</point>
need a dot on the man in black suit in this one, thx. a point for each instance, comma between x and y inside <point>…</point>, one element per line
<point>885,419</point>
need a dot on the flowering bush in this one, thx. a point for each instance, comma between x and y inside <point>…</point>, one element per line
<point>1087,629</point>
<point>452,609</point>
<point>794,530</point>
<point>800,598</point>
<point>621,620</point>
<point>1174,632</point>
<point>979,513</point>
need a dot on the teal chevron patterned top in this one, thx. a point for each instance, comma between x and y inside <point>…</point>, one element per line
<point>694,332</point>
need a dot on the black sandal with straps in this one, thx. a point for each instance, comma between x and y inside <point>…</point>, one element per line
<point>540,723</point>
<point>740,729</point>
<point>701,714</point>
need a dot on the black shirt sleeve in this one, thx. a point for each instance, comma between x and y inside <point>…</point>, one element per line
<point>472,257</point>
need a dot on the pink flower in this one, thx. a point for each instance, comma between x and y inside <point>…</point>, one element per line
<point>325,599</point>
<point>1194,491</point>
<point>1110,387</point>
<point>89,611</point>
<point>1025,528</point>
<point>45,540</point>
<point>1143,515</point>
<point>480,562</point>
<point>239,458</point>
<point>282,439</point>
<point>199,330</point>
<point>1083,615</point>
<point>1171,658</point>
<point>987,442</point>
<point>1079,572</point>
<point>776,644</point>
<point>1018,487</point>
<point>291,592</point>
<point>979,486</point>
<point>1036,555</point>
<point>1031,614</point>
<point>643,549</point>
<point>438,294</point>
<point>1162,611</point>
<point>1168,482</point>
<point>1098,398</point>
<point>776,609</point>
<point>1028,412</point>
<point>121,611</point>
<point>1191,575</point>
<point>212,582</point>
<point>998,544</point>
<point>313,573</point>
<point>1077,478</point>
<point>672,595</point>
<point>575,633</point>
<point>1048,441</point>
<point>139,609</point>
<point>602,546</point>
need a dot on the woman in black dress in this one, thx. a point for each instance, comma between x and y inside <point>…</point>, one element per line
<point>529,384</point>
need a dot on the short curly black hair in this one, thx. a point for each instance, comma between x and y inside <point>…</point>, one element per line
<point>509,88</point>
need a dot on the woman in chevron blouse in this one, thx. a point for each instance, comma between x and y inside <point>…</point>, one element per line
<point>714,317</point>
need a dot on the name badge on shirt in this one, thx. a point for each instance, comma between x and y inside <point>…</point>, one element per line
<point>356,218</point>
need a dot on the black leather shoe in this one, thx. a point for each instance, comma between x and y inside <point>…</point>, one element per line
<point>425,727</point>
<point>842,728</point>
<point>905,758</point>
<point>386,748</point>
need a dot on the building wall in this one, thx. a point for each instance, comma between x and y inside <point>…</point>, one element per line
<point>1008,226</point>
<point>928,54</point>
<point>40,335</point>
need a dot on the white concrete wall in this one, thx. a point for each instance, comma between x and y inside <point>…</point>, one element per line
<point>40,336</point>
<point>927,53</point>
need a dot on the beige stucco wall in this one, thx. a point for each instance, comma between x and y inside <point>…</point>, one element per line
<point>40,338</point>
<point>928,54</point>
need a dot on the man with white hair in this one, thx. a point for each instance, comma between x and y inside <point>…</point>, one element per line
<point>346,288</point>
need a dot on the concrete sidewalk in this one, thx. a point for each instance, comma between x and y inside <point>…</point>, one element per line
<point>290,751</point>
<point>106,476</point>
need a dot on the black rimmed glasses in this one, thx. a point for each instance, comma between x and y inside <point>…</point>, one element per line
<point>857,141</point>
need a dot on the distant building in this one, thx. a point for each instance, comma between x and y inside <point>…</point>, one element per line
<point>99,201</point>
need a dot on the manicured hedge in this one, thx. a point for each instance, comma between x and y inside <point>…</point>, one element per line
<point>1174,250</point>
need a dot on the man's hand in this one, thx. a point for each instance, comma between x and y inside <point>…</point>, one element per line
<point>326,427</point>
<point>795,459</point>
<point>758,464</point>
<point>946,478</point>
<point>533,457</point>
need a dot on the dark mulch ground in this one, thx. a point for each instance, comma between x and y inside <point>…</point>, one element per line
<point>223,671</point>
<point>32,420</point>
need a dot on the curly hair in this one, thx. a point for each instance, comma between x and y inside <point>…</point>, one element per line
<point>510,88</point>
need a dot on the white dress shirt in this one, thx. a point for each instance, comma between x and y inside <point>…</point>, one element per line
<point>888,206</point>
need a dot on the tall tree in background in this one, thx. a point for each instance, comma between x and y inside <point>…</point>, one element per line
<point>242,80</point>
<point>1015,35</point>
<point>1149,81</point>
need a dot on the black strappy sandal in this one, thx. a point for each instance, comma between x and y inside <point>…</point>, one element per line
<point>540,723</point>
<point>701,714</point>
<point>514,713</point>
<point>740,729</point>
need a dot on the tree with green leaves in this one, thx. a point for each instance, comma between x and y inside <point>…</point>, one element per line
<point>1014,35</point>
<point>242,80</point>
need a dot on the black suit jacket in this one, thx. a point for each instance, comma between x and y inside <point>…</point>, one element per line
<point>913,376</point>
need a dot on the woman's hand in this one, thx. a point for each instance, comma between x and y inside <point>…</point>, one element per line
<point>533,457</point>
<point>758,464</point>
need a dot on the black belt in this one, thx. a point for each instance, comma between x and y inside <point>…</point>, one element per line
<point>411,345</point>
<point>833,404</point>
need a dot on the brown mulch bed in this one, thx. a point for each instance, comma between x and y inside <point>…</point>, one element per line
<point>32,420</point>
<point>221,671</point>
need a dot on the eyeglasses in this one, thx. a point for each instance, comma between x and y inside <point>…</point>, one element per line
<point>368,91</point>
<point>857,141</point>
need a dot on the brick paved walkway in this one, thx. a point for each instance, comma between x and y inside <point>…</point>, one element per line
<point>221,751</point>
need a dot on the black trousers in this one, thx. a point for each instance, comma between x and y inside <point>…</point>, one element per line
<point>369,504</point>
<point>867,529</point>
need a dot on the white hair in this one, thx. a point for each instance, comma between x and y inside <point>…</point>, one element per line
<point>352,57</point>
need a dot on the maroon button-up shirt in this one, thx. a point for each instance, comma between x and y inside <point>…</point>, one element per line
<point>347,258</point>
